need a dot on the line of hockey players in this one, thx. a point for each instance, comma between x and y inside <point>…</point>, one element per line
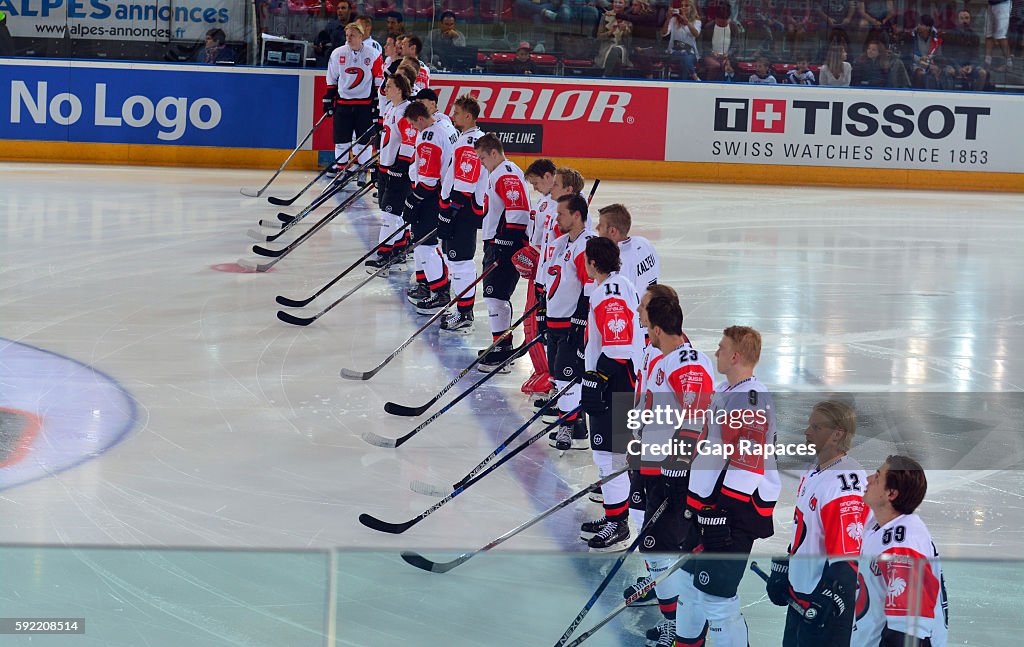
<point>611,328</point>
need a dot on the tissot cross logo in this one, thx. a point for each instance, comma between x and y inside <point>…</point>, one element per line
<point>753,115</point>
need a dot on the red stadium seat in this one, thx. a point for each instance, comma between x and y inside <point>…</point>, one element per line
<point>463,9</point>
<point>419,9</point>
<point>495,10</point>
<point>546,63</point>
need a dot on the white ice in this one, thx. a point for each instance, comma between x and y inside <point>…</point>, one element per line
<point>245,436</point>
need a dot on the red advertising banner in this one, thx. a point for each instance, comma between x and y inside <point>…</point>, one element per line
<point>555,117</point>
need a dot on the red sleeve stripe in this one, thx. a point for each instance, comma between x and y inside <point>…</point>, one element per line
<point>739,496</point>
<point>694,502</point>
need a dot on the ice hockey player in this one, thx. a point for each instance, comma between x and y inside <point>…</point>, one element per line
<point>614,345</point>
<point>568,291</point>
<point>428,97</point>
<point>639,259</point>
<point>679,381</point>
<point>902,600</point>
<point>434,141</point>
<point>732,496</point>
<point>462,198</point>
<point>828,523</point>
<point>396,153</point>
<point>354,72</point>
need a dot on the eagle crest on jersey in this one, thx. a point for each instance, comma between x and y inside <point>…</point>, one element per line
<point>894,590</point>
<point>466,168</point>
<point>855,529</point>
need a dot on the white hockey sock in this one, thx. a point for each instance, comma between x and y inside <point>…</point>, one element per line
<point>365,153</point>
<point>339,149</point>
<point>463,273</point>
<point>616,491</point>
<point>387,228</point>
<point>434,268</point>
<point>637,517</point>
<point>420,256</point>
<point>667,588</point>
<point>571,398</point>
<point>723,614</point>
<point>500,314</point>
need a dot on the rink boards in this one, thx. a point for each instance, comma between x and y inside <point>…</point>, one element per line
<point>195,115</point>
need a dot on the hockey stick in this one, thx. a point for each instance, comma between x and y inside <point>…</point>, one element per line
<point>432,490</point>
<point>281,202</point>
<point>402,410</point>
<point>287,317</point>
<point>593,190</point>
<point>398,528</point>
<point>611,573</point>
<point>381,441</point>
<point>349,374</point>
<point>278,254</point>
<point>793,604</point>
<point>421,562</point>
<point>257,194</point>
<point>287,221</point>
<point>300,303</point>
<point>644,590</point>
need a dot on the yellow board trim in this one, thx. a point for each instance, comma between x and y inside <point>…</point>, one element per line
<point>766,174</point>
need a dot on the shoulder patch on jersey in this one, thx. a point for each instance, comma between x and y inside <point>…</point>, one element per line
<point>659,377</point>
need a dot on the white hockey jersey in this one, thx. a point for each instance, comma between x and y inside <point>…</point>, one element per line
<point>828,520</point>
<point>434,147</point>
<point>355,74</point>
<point>466,174</point>
<point>507,201</point>
<point>901,583</point>
<point>746,481</point>
<point>650,358</point>
<point>566,280</point>
<point>680,379</point>
<point>613,326</point>
<point>639,262</point>
<point>545,232</point>
<point>399,137</point>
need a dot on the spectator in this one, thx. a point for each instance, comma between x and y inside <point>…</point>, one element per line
<point>962,45</point>
<point>875,68</point>
<point>581,15</point>
<point>615,36</point>
<point>836,17</point>
<point>395,24</point>
<point>682,27</point>
<point>721,40</point>
<point>442,41</point>
<point>836,71</point>
<point>802,74</point>
<point>761,24</point>
<point>333,33</point>
<point>940,75</point>
<point>728,71</point>
<point>6,41</point>
<point>523,64</point>
<point>763,72</point>
<point>538,11</point>
<point>874,18</point>
<point>997,22</point>
<point>214,49</point>
<point>799,23</point>
<point>925,38</point>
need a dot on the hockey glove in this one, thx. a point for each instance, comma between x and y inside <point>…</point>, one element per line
<point>593,396</point>
<point>833,595</point>
<point>328,100</point>
<point>508,241</point>
<point>778,583</point>
<point>446,218</point>
<point>714,529</point>
<point>525,261</point>
<point>410,214</point>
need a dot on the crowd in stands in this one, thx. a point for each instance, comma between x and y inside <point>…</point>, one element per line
<point>930,44</point>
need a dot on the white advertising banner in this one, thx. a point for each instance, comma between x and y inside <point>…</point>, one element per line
<point>851,127</point>
<point>134,20</point>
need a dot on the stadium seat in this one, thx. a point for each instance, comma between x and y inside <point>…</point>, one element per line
<point>495,10</point>
<point>463,9</point>
<point>419,9</point>
<point>546,63</point>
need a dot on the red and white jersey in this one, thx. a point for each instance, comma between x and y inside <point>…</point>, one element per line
<point>399,137</point>
<point>422,78</point>
<point>639,262</point>
<point>828,520</point>
<point>545,231</point>
<point>370,42</point>
<point>680,380</point>
<point>745,481</point>
<point>613,326</point>
<point>566,280</point>
<point>901,583</point>
<point>434,146</point>
<point>440,116</point>
<point>356,74</point>
<point>466,174</point>
<point>508,200</point>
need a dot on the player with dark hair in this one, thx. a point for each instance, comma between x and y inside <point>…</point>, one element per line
<point>354,71</point>
<point>434,142</point>
<point>614,345</point>
<point>732,494</point>
<point>396,153</point>
<point>567,296</point>
<point>902,599</point>
<point>504,234</point>
<point>462,206</point>
<point>639,260</point>
<point>828,524</point>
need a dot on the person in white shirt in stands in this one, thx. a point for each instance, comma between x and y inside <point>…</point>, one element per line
<point>836,70</point>
<point>682,28</point>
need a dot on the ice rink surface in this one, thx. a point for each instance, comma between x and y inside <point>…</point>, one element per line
<point>175,410</point>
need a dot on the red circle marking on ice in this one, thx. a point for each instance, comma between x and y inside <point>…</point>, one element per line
<point>236,268</point>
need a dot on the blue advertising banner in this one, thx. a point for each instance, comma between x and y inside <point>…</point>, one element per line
<point>190,106</point>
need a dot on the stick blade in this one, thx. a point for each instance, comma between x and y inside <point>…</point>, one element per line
<point>292,303</point>
<point>249,193</point>
<point>280,202</point>
<point>289,318</point>
<point>378,440</point>
<point>419,561</point>
<point>285,218</point>
<point>263,251</point>
<point>379,525</point>
<point>396,409</point>
<point>429,489</point>
<point>349,374</point>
